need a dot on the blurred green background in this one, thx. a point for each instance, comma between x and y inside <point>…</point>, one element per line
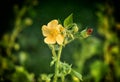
<point>24,56</point>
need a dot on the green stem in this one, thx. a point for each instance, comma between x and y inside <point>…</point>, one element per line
<point>57,64</point>
<point>53,51</point>
<point>63,78</point>
<point>59,53</point>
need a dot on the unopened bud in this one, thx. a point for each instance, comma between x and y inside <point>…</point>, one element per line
<point>75,29</point>
<point>28,21</point>
<point>87,32</point>
<point>16,46</point>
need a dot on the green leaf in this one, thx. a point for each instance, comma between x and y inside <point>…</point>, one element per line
<point>84,33</point>
<point>78,75</point>
<point>68,20</point>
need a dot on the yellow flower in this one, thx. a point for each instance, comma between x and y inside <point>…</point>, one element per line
<point>53,32</point>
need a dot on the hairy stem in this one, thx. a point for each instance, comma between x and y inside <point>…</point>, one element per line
<point>53,51</point>
<point>57,64</point>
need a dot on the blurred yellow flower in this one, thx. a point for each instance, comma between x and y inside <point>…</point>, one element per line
<point>53,32</point>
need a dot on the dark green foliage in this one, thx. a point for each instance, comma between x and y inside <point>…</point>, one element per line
<point>25,58</point>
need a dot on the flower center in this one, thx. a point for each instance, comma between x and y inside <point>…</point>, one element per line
<point>54,32</point>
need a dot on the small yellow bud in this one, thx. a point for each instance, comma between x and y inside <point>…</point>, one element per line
<point>16,46</point>
<point>28,21</point>
<point>75,29</point>
<point>75,79</point>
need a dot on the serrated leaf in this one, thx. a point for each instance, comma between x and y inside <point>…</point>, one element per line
<point>68,20</point>
<point>78,75</point>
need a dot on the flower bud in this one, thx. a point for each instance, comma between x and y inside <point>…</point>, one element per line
<point>28,21</point>
<point>16,46</point>
<point>75,29</point>
<point>87,32</point>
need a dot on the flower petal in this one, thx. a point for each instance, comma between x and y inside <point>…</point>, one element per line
<point>52,24</point>
<point>60,27</point>
<point>45,30</point>
<point>50,40</point>
<point>60,39</point>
